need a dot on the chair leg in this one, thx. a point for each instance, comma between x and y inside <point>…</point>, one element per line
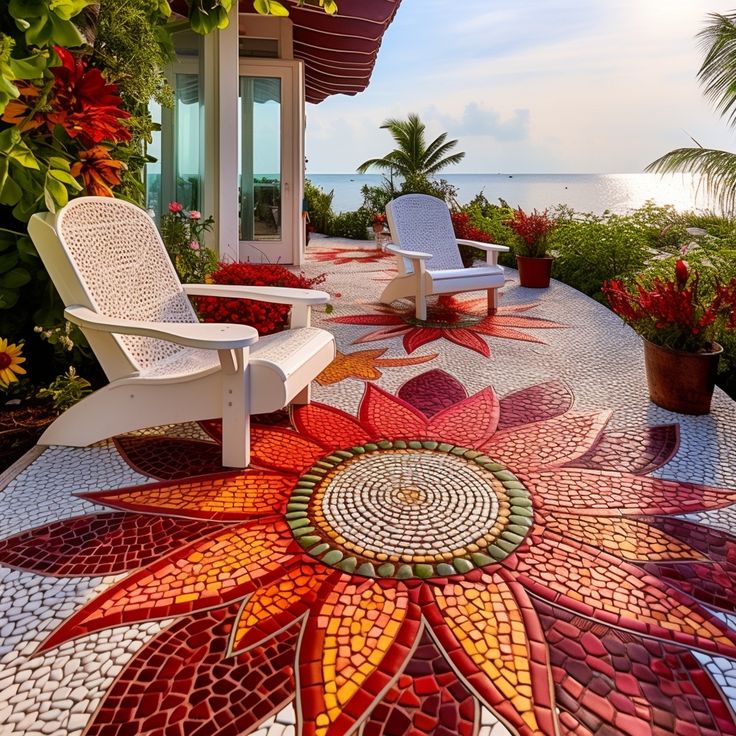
<point>235,409</point>
<point>304,396</point>
<point>492,301</point>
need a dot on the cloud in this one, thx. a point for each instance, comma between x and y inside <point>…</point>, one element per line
<point>482,121</point>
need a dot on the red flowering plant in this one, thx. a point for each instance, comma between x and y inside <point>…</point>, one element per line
<point>681,313</point>
<point>531,231</point>
<point>264,316</point>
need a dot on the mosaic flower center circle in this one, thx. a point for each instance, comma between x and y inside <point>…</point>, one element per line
<point>409,508</point>
<point>443,318</point>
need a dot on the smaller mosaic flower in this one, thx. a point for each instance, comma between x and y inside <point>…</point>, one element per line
<point>464,323</point>
<point>341,256</point>
<point>364,365</point>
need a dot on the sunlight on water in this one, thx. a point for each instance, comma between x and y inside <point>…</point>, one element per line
<point>583,192</point>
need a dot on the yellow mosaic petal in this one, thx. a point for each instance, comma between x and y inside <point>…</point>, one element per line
<point>488,623</point>
<point>627,538</point>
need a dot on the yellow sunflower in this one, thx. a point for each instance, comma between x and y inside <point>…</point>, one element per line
<point>10,360</point>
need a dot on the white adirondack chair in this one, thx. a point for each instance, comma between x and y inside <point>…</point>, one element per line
<point>111,269</point>
<point>429,257</point>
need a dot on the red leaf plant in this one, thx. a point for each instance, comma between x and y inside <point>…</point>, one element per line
<point>265,317</point>
<point>675,313</point>
<point>531,231</point>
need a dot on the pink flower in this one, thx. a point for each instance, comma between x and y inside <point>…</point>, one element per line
<point>175,207</point>
<point>195,215</point>
<point>194,245</point>
<point>681,272</point>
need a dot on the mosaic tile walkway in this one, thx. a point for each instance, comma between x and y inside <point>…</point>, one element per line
<point>480,526</point>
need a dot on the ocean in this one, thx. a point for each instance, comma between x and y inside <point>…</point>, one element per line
<point>583,192</point>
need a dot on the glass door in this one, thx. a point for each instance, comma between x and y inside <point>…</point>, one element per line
<point>264,160</point>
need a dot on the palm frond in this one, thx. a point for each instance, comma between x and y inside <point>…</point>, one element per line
<point>716,171</point>
<point>718,70</point>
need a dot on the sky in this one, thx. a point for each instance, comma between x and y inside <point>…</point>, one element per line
<point>532,86</point>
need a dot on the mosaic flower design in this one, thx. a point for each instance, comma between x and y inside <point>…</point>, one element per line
<point>364,365</point>
<point>461,322</point>
<point>433,558</point>
<point>341,256</point>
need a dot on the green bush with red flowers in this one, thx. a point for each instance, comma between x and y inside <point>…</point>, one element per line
<point>264,316</point>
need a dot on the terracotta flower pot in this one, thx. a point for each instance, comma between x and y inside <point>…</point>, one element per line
<point>681,382</point>
<point>377,227</point>
<point>534,273</point>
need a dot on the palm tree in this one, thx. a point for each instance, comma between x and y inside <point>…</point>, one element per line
<point>412,157</point>
<point>717,169</point>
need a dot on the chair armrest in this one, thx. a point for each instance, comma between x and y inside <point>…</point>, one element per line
<point>488,247</point>
<point>411,254</point>
<point>273,294</point>
<point>211,336</point>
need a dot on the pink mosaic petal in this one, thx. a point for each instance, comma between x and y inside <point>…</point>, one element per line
<point>182,682</point>
<point>469,423</point>
<point>609,493</point>
<point>552,442</point>
<point>466,338</point>
<point>432,391</point>
<point>718,545</point>
<point>216,570</point>
<point>632,450</point>
<point>99,544</point>
<point>534,404</point>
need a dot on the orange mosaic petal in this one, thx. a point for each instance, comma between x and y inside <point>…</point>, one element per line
<point>277,606</point>
<point>387,416</point>
<point>224,497</point>
<point>470,423</point>
<point>627,538</point>
<point>282,449</point>
<point>551,442</point>
<point>361,364</point>
<point>599,586</point>
<point>213,571</point>
<point>491,633</point>
<point>499,321</point>
<point>329,426</point>
<point>610,493</point>
<point>351,651</point>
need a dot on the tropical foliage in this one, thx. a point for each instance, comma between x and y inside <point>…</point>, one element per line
<point>716,169</point>
<point>412,157</point>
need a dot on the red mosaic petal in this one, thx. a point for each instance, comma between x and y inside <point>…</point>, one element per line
<point>711,583</point>
<point>470,423</point>
<point>432,391</point>
<point>328,426</point>
<point>596,585</point>
<point>552,442</point>
<point>534,404</point>
<point>608,681</point>
<point>99,544</point>
<point>277,606</point>
<point>170,458</point>
<point>282,449</point>
<point>633,450</point>
<point>609,493</point>
<point>466,338</point>
<point>716,544</point>
<point>279,418</point>
<point>226,497</point>
<point>388,416</point>
<point>427,700</point>
<point>219,568</point>
<point>182,682</point>
<point>507,333</point>
<point>385,334</point>
<point>495,324</point>
<point>416,337</point>
<point>351,650</point>
<point>490,632</point>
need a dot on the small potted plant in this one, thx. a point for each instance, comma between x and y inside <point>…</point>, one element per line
<point>679,320</point>
<point>531,233</point>
<point>379,222</point>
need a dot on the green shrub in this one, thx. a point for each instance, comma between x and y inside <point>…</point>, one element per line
<point>319,206</point>
<point>352,224</point>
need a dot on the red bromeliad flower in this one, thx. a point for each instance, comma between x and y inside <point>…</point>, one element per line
<point>436,555</point>
<point>532,231</point>
<point>460,322</point>
<point>81,102</point>
<point>675,313</point>
<point>99,171</point>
